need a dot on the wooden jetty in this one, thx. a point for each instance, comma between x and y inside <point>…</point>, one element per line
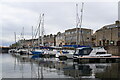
<point>97,59</point>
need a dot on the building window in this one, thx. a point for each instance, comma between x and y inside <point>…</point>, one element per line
<point>103,42</point>
<point>118,43</point>
<point>118,34</point>
<point>88,38</point>
<point>100,43</point>
<point>107,42</point>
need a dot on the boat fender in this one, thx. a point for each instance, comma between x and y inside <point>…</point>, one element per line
<point>61,52</point>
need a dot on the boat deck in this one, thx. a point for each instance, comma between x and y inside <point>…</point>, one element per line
<point>112,57</point>
<point>97,59</point>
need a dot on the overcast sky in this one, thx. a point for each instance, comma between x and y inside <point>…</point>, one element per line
<point>59,16</point>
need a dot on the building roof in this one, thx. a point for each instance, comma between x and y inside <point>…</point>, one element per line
<point>116,24</point>
<point>111,26</point>
<point>77,28</point>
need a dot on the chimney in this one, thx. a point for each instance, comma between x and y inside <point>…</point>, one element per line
<point>117,22</point>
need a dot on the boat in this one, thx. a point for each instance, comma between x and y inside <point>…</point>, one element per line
<point>91,52</point>
<point>84,52</point>
<point>12,51</point>
<point>39,51</point>
<point>65,54</point>
<point>69,54</point>
<point>67,51</point>
<point>23,51</point>
<point>36,52</point>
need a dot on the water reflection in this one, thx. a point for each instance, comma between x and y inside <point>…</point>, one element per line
<point>29,67</point>
<point>0,66</point>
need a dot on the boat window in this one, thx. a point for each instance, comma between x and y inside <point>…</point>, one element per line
<point>76,51</point>
<point>85,51</point>
<point>100,66</point>
<point>101,53</point>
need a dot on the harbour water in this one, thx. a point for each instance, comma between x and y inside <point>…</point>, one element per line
<point>25,67</point>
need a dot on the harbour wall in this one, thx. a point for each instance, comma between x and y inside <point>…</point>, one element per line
<point>114,50</point>
<point>4,49</point>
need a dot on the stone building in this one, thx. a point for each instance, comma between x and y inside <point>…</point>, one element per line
<point>60,39</point>
<point>49,40</point>
<point>80,36</point>
<point>108,35</point>
<point>32,42</point>
<point>28,43</point>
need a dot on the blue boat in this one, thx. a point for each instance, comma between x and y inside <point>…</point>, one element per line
<point>37,52</point>
<point>64,52</point>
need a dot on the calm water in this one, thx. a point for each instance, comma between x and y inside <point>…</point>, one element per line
<point>19,67</point>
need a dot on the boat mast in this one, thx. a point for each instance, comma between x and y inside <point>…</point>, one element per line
<point>42,30</point>
<point>23,33</point>
<point>81,24</point>
<point>21,42</point>
<point>22,37</point>
<point>39,31</point>
<point>77,32</point>
<point>15,40</point>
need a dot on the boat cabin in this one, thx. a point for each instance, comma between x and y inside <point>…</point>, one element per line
<point>83,51</point>
<point>89,51</point>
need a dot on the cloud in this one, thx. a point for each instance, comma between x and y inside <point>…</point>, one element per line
<point>16,15</point>
<point>59,16</point>
<point>13,19</point>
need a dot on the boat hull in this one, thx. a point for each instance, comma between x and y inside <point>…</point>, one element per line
<point>36,52</point>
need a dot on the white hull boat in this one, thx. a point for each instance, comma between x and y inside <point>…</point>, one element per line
<point>85,52</point>
<point>91,52</point>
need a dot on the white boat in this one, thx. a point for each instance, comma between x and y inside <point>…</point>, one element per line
<point>91,52</point>
<point>85,52</point>
<point>12,51</point>
<point>50,52</point>
<point>23,51</point>
<point>65,54</point>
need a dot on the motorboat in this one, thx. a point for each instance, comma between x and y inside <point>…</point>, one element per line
<point>91,52</point>
<point>84,52</point>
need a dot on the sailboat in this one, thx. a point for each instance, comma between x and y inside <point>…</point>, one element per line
<point>22,50</point>
<point>83,50</point>
<point>38,51</point>
<point>70,53</point>
<point>13,51</point>
<point>43,50</point>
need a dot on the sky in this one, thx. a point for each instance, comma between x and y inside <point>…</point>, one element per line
<point>58,16</point>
